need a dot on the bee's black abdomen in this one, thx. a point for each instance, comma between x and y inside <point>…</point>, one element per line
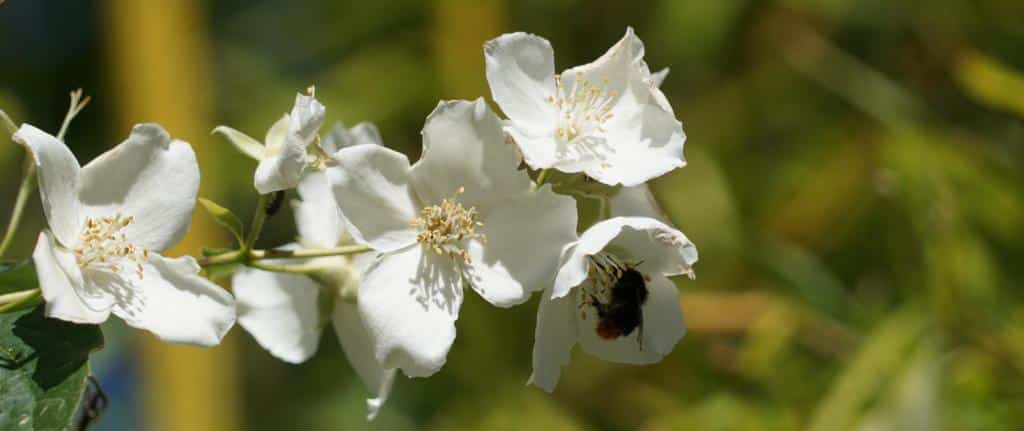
<point>623,314</point>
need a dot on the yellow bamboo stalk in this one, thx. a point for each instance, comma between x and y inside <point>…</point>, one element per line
<point>158,55</point>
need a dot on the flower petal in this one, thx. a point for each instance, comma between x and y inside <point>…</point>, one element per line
<point>281,311</point>
<point>524,242</point>
<point>658,248</point>
<point>317,217</point>
<point>637,201</point>
<point>355,342</point>
<point>341,137</point>
<point>244,143</point>
<point>464,147</point>
<point>554,337</point>
<point>409,301</point>
<point>648,145</point>
<point>371,186</point>
<point>175,303</point>
<point>57,171</point>
<point>521,74</point>
<point>149,178</point>
<point>657,78</point>
<point>662,328</point>
<point>306,118</point>
<point>276,134</point>
<point>283,170</point>
<point>58,277</point>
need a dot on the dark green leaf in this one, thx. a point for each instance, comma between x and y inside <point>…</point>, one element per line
<point>15,276</point>
<point>44,364</point>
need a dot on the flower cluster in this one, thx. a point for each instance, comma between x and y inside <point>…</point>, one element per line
<point>386,248</point>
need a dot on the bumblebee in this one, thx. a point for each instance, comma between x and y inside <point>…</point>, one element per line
<point>622,313</point>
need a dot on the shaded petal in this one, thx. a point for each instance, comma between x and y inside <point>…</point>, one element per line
<point>317,217</point>
<point>539,150</point>
<point>175,303</point>
<point>359,349</point>
<point>521,74</point>
<point>283,170</point>
<point>57,171</point>
<point>341,137</point>
<point>657,78</point>
<point>409,301</point>
<point>660,248</point>
<point>553,340</point>
<point>647,146</point>
<point>306,118</point>
<point>281,311</point>
<point>637,201</point>
<point>244,143</point>
<point>662,328</point>
<point>464,146</point>
<point>276,134</point>
<point>525,239</point>
<point>371,186</point>
<point>147,177</point>
<point>59,278</point>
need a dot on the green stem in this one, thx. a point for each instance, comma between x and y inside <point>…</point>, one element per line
<point>24,190</point>
<point>11,127</point>
<point>543,175</point>
<point>291,269</point>
<point>15,300</point>
<point>252,256</point>
<point>258,218</point>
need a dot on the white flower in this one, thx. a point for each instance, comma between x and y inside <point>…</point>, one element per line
<point>108,222</point>
<point>283,155</point>
<point>462,214</point>
<point>286,313</point>
<point>612,295</point>
<point>607,119</point>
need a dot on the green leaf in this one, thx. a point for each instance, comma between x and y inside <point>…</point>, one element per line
<point>44,364</point>
<point>225,218</point>
<point>16,276</point>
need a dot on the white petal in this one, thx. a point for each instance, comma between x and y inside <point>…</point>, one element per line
<point>281,311</point>
<point>58,277</point>
<point>648,145</point>
<point>276,134</point>
<point>463,146</point>
<point>149,178</point>
<point>361,134</point>
<point>409,301</point>
<point>283,170</point>
<point>539,150</point>
<point>657,78</point>
<point>659,248</point>
<point>636,201</point>
<point>662,328</point>
<point>621,70</point>
<point>317,217</point>
<point>57,171</point>
<point>175,303</point>
<point>306,118</point>
<point>521,73</point>
<point>371,186</point>
<point>355,341</point>
<point>525,239</point>
<point>554,337</point>
<point>244,143</point>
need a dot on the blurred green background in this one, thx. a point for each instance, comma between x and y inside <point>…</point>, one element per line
<point>854,188</point>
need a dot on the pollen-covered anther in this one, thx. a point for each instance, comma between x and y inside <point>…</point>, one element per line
<point>583,108</point>
<point>445,225</point>
<point>104,246</point>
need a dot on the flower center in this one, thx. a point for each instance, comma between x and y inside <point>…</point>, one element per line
<point>583,108</point>
<point>105,247</point>
<point>445,225</point>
